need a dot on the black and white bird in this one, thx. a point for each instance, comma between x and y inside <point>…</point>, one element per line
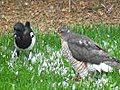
<point>24,39</point>
<point>84,54</point>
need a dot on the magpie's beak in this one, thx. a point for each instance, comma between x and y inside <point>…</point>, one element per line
<point>15,32</point>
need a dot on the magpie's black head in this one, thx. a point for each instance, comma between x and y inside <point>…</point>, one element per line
<point>19,29</point>
<point>63,30</point>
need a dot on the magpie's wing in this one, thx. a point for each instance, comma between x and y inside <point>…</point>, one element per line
<point>84,49</point>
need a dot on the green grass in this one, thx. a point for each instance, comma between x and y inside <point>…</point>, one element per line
<point>49,69</point>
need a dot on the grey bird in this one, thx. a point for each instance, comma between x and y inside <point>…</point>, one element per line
<point>24,39</point>
<point>84,54</point>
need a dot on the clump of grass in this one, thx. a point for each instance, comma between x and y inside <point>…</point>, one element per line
<point>49,69</point>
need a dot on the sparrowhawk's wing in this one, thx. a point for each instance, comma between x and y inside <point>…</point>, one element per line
<point>84,49</point>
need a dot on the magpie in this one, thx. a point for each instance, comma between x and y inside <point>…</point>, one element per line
<point>24,39</point>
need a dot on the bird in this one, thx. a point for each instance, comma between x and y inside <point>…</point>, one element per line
<point>84,54</point>
<point>24,39</point>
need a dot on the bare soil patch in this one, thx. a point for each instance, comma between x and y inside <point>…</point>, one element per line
<point>47,14</point>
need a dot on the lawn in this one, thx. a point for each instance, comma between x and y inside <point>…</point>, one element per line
<point>49,70</point>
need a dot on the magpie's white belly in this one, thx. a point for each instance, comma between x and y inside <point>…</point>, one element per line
<point>32,44</point>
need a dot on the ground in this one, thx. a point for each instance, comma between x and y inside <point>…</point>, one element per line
<point>46,14</point>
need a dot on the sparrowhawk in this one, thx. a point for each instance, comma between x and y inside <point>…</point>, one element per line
<point>84,54</point>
